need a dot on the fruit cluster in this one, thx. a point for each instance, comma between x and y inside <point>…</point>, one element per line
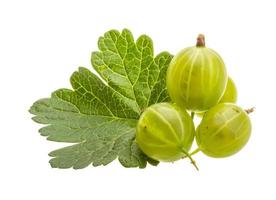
<point>197,81</point>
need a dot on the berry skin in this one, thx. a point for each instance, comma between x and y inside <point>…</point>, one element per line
<point>165,132</point>
<point>223,131</point>
<point>229,96</point>
<point>196,77</point>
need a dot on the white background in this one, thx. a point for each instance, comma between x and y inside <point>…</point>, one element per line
<point>43,42</point>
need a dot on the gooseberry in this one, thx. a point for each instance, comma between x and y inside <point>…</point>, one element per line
<point>165,132</point>
<point>196,77</point>
<point>224,130</point>
<point>229,96</point>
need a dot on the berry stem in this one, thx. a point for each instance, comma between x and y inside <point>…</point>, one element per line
<point>249,110</point>
<point>191,159</point>
<point>192,115</point>
<point>195,151</point>
<point>200,42</point>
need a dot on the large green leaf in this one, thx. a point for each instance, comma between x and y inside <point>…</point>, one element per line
<point>99,117</point>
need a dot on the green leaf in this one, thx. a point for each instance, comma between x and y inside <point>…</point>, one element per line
<point>99,115</point>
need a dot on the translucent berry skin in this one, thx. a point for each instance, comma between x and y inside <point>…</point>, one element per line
<point>223,131</point>
<point>230,94</point>
<point>196,78</point>
<point>164,131</point>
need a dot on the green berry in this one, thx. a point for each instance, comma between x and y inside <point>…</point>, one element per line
<point>223,131</point>
<point>230,93</point>
<point>165,132</point>
<point>196,77</point>
<point>229,96</point>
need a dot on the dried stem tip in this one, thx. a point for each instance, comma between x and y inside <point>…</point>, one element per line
<point>249,110</point>
<point>200,40</point>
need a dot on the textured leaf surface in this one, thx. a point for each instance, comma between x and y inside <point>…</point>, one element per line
<point>99,118</point>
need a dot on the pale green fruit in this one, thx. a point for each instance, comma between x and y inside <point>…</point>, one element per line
<point>223,131</point>
<point>165,132</point>
<point>196,78</point>
<point>229,96</point>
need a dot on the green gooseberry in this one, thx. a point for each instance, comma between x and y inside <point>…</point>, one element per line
<point>196,77</point>
<point>229,96</point>
<point>224,130</point>
<point>165,132</point>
